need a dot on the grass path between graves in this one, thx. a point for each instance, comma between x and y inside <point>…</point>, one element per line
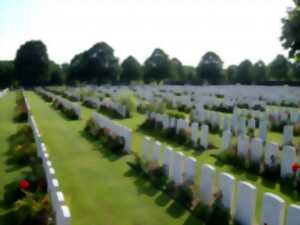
<point>99,187</point>
<point>209,157</point>
<point>8,174</point>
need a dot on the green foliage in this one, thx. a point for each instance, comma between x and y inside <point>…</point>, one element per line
<point>244,72</point>
<point>185,194</point>
<point>279,68</point>
<point>6,73</point>
<point>32,209</point>
<point>210,68</point>
<point>31,64</point>
<point>131,70</point>
<point>97,64</point>
<point>129,100</point>
<point>290,36</point>
<point>113,142</point>
<point>259,72</point>
<point>21,112</point>
<point>177,115</point>
<point>22,147</point>
<point>157,66</point>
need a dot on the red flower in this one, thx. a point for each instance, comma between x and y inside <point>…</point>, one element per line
<point>295,167</point>
<point>24,184</point>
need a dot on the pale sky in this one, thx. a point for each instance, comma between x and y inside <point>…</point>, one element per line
<point>186,29</point>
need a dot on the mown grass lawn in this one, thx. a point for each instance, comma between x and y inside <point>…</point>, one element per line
<point>9,173</point>
<point>99,187</point>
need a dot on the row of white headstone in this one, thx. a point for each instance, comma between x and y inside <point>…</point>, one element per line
<point>180,168</point>
<point>3,92</point>
<point>233,94</point>
<point>254,149</point>
<point>115,128</point>
<point>240,125</point>
<point>115,106</point>
<point>61,211</point>
<point>178,124</point>
<point>64,102</point>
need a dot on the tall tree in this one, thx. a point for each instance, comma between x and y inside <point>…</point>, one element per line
<point>6,73</point>
<point>259,72</point>
<point>157,66</point>
<point>97,64</point>
<point>279,68</point>
<point>31,64</point>
<point>244,72</point>
<point>56,74</point>
<point>230,74</point>
<point>176,70</point>
<point>210,68</point>
<point>290,36</point>
<point>131,70</point>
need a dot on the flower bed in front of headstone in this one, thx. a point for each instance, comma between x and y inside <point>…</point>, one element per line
<point>27,197</point>
<point>21,112</point>
<point>69,109</point>
<point>112,141</point>
<point>185,193</point>
<point>263,160</point>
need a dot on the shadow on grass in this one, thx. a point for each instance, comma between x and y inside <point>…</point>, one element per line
<point>175,210</point>
<point>100,148</point>
<point>143,186</point>
<point>287,190</point>
<point>162,199</point>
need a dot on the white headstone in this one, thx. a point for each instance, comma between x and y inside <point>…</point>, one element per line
<point>178,167</point>
<point>243,145</point>
<point>271,153</point>
<point>190,169</point>
<point>227,186</point>
<point>288,134</point>
<point>204,136</point>
<point>256,151</point>
<point>194,132</point>
<point>293,215</point>
<point>168,160</point>
<point>288,158</point>
<point>226,139</point>
<point>272,210</point>
<point>263,129</point>
<point>246,204</point>
<point>156,151</point>
<point>206,185</point>
<point>146,147</point>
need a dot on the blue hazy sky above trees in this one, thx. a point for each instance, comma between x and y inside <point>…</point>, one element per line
<point>186,29</point>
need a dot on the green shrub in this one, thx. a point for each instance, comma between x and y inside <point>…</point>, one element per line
<point>297,129</point>
<point>183,136</point>
<point>219,215</point>
<point>185,194</point>
<point>254,167</point>
<point>128,100</point>
<point>32,209</point>
<point>156,174</point>
<point>202,211</point>
<point>116,143</point>
<point>177,115</point>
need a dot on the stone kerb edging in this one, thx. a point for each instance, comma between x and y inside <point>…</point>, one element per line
<point>122,131</point>
<point>2,93</point>
<point>62,212</point>
<point>180,168</point>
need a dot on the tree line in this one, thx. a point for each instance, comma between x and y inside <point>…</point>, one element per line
<point>99,65</point>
